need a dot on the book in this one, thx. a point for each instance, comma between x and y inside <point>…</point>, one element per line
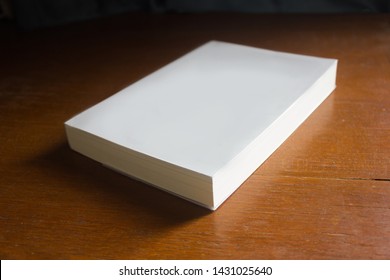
<point>201,125</point>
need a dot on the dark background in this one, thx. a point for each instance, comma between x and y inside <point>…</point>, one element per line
<point>31,14</point>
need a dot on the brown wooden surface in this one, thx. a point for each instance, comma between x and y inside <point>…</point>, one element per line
<point>324,194</point>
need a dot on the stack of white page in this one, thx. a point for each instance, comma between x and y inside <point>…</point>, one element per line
<point>200,126</point>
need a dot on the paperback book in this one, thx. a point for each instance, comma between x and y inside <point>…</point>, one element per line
<point>201,125</point>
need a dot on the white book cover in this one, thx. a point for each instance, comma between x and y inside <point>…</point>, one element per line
<point>201,125</point>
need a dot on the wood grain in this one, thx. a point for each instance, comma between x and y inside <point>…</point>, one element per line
<point>324,194</point>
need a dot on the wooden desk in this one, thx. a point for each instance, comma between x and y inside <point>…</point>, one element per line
<point>324,194</point>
